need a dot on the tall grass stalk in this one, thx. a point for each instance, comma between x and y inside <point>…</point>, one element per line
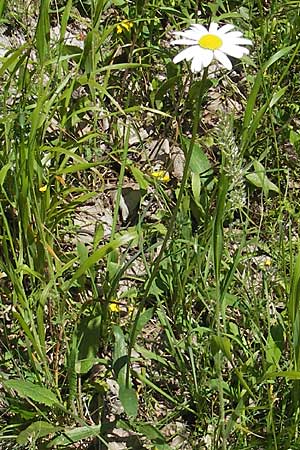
<point>220,311</point>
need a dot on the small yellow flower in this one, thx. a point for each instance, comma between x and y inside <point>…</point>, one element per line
<point>114,307</point>
<point>43,188</point>
<point>161,175</point>
<point>268,262</point>
<point>125,25</point>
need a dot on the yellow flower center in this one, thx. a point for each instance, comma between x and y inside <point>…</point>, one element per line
<point>210,41</point>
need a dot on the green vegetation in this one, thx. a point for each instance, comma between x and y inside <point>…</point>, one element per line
<point>148,303</point>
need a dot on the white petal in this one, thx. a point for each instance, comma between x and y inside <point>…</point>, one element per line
<point>188,54</point>
<point>225,28</point>
<point>238,41</point>
<point>183,42</point>
<point>192,33</point>
<point>200,28</point>
<point>233,34</point>
<point>213,27</point>
<point>206,56</point>
<point>234,50</point>
<point>197,64</point>
<point>223,59</point>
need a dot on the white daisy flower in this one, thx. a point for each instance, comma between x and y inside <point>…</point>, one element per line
<point>206,45</point>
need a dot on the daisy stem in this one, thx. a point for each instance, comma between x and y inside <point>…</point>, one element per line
<point>195,130</point>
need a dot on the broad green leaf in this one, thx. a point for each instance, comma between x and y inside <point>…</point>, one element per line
<point>88,337</point>
<point>199,161</point>
<point>120,355</point>
<point>222,343</point>
<point>294,137</point>
<point>273,353</point>
<point>259,179</point>
<point>77,168</point>
<point>128,398</point>
<point>165,87</point>
<point>2,7</point>
<point>33,391</point>
<point>43,31</point>
<point>196,187</point>
<point>84,365</point>
<point>68,437</point>
<point>127,394</point>
<point>139,177</point>
<point>36,431</point>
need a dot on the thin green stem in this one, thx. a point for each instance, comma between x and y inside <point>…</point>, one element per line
<point>197,116</point>
<point>196,122</point>
<point>219,312</point>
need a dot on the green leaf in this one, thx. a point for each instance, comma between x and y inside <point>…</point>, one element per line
<point>293,309</point>
<point>223,344</point>
<point>43,31</point>
<point>82,366</point>
<point>154,435</point>
<point>289,374</point>
<point>102,252</point>
<point>260,179</point>
<point>64,19</point>
<point>294,137</point>
<point>277,96</point>
<point>2,7</point>
<point>139,177</point>
<point>3,173</point>
<point>127,395</point>
<point>77,168</point>
<point>165,87</point>
<point>120,356</point>
<point>89,332</point>
<point>36,431</point>
<point>283,52</point>
<point>147,354</point>
<point>76,434</point>
<point>251,121</point>
<point>128,398</point>
<point>33,391</point>
<point>196,187</point>
<point>142,321</point>
<point>273,353</point>
<point>11,61</point>
<point>199,161</point>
